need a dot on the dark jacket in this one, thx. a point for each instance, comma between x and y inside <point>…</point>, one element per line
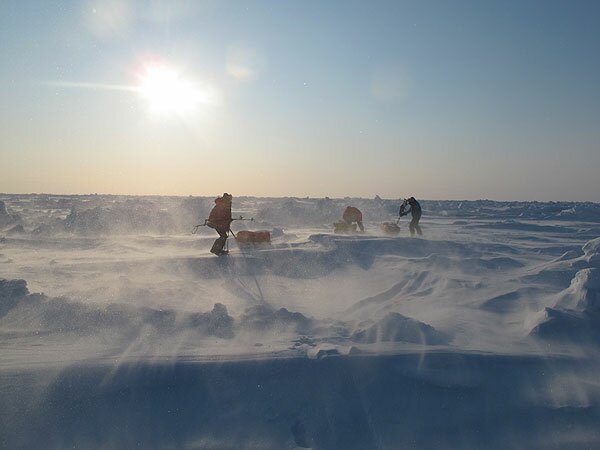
<point>415,209</point>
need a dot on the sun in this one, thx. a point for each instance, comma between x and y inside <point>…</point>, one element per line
<point>168,93</point>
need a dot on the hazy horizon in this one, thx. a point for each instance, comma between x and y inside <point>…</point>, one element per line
<point>461,100</point>
<point>299,197</point>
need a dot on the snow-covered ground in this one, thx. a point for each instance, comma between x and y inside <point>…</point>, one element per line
<point>119,329</point>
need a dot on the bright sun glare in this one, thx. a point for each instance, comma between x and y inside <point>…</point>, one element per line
<point>167,93</point>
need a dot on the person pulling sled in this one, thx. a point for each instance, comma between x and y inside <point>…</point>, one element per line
<point>415,212</point>
<point>352,215</point>
<point>220,220</point>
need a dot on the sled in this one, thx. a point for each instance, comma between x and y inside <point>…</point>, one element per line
<point>390,227</point>
<point>343,227</point>
<point>253,237</point>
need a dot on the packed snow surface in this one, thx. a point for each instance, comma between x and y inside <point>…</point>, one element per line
<point>119,329</point>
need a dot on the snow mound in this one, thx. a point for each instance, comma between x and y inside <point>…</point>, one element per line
<point>44,229</point>
<point>576,316</point>
<point>324,351</point>
<point>264,317</point>
<point>37,312</point>
<point>17,229</point>
<point>563,270</point>
<point>5,217</point>
<point>395,327</point>
<point>11,291</point>
<point>13,288</point>
<point>591,252</point>
<point>511,301</point>
<point>216,322</point>
<point>592,247</point>
<point>120,323</point>
<point>584,292</point>
<point>564,326</point>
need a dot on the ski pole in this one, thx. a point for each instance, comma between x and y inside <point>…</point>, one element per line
<point>239,218</point>
<point>195,229</point>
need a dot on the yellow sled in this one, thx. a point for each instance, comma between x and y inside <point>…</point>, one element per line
<point>343,227</point>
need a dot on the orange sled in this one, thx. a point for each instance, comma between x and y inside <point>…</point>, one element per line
<point>253,237</point>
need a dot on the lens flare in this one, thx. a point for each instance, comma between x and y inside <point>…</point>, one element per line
<point>167,93</point>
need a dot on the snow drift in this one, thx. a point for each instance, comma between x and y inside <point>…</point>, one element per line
<point>576,312</point>
<point>395,327</point>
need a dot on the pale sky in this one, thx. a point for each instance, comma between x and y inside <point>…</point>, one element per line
<point>436,99</point>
